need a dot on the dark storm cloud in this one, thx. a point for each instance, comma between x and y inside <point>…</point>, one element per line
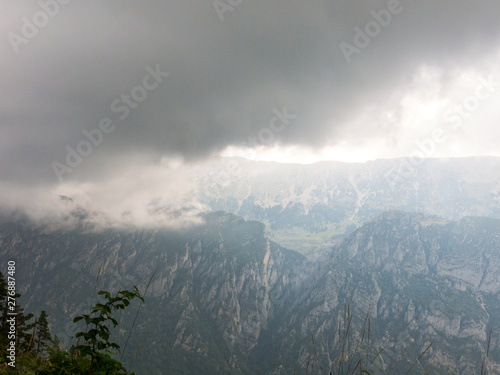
<point>225,77</point>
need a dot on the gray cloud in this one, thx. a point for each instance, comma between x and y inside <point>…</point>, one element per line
<point>225,77</point>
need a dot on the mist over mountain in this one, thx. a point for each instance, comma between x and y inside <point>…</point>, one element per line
<point>293,186</point>
<point>227,297</point>
<point>304,206</point>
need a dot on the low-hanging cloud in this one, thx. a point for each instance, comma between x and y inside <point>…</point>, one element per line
<point>144,195</point>
<point>224,79</point>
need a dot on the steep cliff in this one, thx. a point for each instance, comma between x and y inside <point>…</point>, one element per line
<point>225,297</point>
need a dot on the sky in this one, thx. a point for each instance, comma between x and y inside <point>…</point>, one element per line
<point>111,103</point>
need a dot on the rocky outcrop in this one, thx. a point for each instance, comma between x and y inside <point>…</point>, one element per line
<point>224,296</point>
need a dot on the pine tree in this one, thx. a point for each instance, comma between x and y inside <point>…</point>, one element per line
<point>24,339</point>
<point>56,343</point>
<point>25,330</point>
<point>4,328</point>
<point>43,339</point>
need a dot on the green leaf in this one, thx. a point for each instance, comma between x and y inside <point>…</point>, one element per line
<point>104,335</point>
<point>95,321</point>
<point>93,332</point>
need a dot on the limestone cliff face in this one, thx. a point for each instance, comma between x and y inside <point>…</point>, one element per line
<point>224,296</point>
<point>423,280</point>
<point>216,288</point>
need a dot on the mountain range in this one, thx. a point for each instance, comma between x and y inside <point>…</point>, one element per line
<point>307,206</point>
<point>225,297</point>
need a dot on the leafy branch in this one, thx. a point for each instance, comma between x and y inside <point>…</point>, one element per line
<point>96,339</point>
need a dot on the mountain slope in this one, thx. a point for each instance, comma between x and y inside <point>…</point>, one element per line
<point>216,287</point>
<point>226,297</point>
<point>305,205</point>
<point>424,280</point>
